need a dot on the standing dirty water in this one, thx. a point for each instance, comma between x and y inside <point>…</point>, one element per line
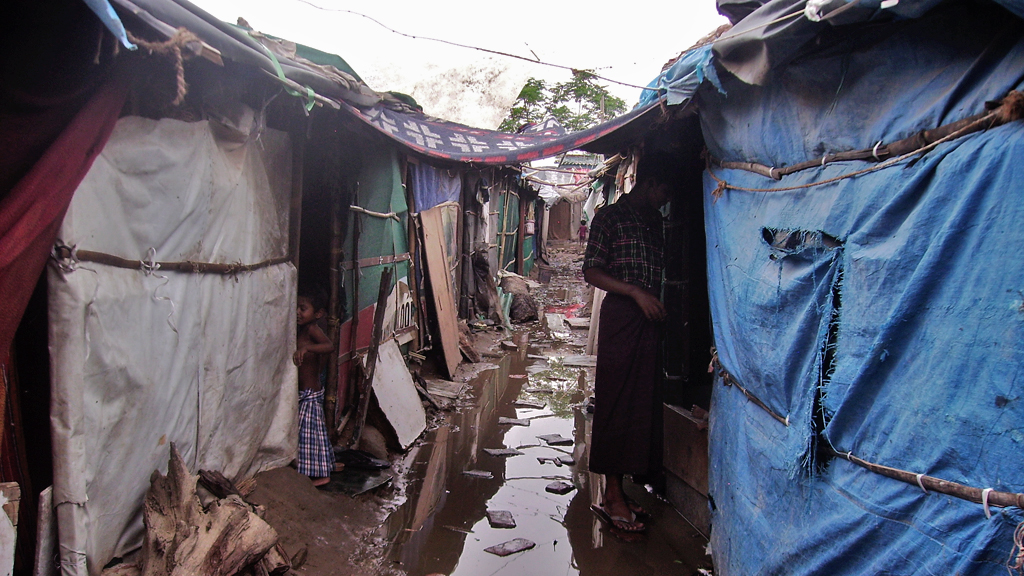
<point>535,506</point>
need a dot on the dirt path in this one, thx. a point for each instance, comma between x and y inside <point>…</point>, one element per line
<point>432,517</point>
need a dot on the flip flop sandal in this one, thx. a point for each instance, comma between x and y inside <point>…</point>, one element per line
<point>637,509</point>
<point>620,523</point>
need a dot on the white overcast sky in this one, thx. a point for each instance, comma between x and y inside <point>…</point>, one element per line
<point>625,41</point>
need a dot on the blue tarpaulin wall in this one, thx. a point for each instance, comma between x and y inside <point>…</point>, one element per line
<point>896,298</point>
<point>433,186</point>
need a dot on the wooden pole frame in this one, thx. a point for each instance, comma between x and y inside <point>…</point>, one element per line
<point>371,356</point>
<point>331,390</point>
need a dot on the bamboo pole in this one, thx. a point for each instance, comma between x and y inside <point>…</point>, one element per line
<point>353,333</point>
<point>414,242</point>
<point>187,266</point>
<point>521,238</point>
<point>295,208</point>
<point>332,389</point>
<point>976,495</point>
<point>502,232</point>
<point>371,355</point>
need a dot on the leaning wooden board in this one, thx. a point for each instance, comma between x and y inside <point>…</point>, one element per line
<point>441,285</point>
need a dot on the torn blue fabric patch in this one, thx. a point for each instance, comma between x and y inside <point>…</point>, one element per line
<point>679,83</point>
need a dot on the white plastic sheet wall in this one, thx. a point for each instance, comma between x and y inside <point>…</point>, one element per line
<point>142,360</point>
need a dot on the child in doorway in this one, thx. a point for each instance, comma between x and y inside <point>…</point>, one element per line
<point>316,454</point>
<point>583,232</point>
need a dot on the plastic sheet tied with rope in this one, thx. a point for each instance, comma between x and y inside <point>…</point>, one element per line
<point>894,349</point>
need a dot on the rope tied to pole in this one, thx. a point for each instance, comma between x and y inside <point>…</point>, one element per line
<point>715,367</point>
<point>66,257</point>
<point>1009,109</point>
<point>149,268</point>
<point>361,210</point>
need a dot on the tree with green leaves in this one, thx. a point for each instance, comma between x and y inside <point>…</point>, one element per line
<point>577,104</point>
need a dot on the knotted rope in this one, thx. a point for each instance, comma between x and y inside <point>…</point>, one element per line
<point>1016,561</point>
<point>172,46</point>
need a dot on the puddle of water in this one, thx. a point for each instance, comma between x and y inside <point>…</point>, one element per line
<point>442,527</point>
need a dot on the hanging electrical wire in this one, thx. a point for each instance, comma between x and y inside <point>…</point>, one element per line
<point>478,48</point>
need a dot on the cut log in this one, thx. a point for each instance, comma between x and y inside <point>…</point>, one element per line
<point>276,561</point>
<point>217,483</point>
<point>184,539</point>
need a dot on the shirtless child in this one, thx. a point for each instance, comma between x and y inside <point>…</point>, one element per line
<point>316,454</point>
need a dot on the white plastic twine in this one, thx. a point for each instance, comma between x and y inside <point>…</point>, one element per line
<point>70,264</point>
<point>984,502</point>
<point>66,265</point>
<point>149,268</point>
<point>813,10</point>
<point>874,151</point>
<point>919,483</point>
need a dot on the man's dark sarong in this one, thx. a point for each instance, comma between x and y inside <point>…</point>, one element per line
<point>627,429</point>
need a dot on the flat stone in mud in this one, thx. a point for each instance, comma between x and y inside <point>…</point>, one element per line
<point>503,451</point>
<point>555,322</point>
<point>510,547</point>
<point>555,461</point>
<point>478,474</point>
<point>509,345</point>
<point>529,404</point>
<point>500,519</point>
<point>559,487</point>
<point>556,440</point>
<point>539,391</point>
<point>513,421</point>
<point>582,360</point>
<point>578,322</point>
<point>446,388</point>
<point>567,460</point>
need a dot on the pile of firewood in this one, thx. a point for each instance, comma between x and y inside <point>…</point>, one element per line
<point>226,538</point>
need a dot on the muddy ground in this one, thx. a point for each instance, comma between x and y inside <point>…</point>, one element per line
<point>430,517</point>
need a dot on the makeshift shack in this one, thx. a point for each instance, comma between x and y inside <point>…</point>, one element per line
<point>859,194</point>
<point>181,176</point>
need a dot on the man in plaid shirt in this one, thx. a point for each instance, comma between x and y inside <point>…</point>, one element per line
<point>624,257</point>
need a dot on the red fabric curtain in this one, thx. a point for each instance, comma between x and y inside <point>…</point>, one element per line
<point>32,212</point>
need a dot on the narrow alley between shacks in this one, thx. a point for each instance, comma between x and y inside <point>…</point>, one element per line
<point>322,288</point>
<point>499,483</point>
<point>510,465</point>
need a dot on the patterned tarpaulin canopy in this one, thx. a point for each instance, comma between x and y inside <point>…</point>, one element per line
<point>450,141</point>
